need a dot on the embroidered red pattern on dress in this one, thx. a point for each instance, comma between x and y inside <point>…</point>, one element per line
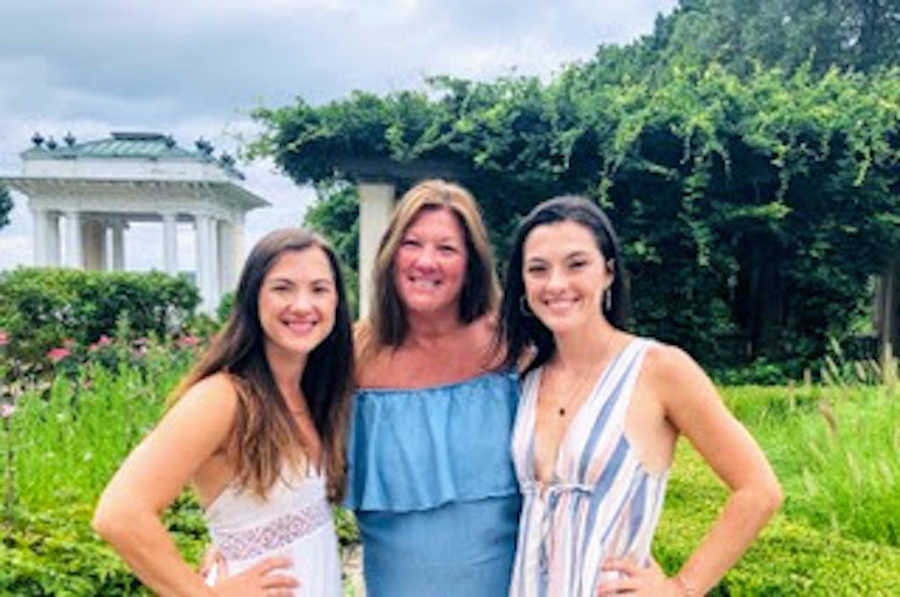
<point>254,541</point>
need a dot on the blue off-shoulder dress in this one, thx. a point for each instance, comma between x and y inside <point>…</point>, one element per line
<point>433,487</point>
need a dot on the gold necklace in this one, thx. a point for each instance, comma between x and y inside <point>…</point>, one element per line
<point>562,408</point>
<point>589,376</point>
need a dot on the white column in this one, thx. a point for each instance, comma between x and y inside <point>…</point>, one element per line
<point>237,249</point>
<point>53,249</point>
<point>93,235</point>
<point>376,202</point>
<point>118,245</point>
<point>204,266</point>
<point>170,243</point>
<point>39,236</point>
<point>73,240</point>
<point>226,262</point>
<point>214,272</point>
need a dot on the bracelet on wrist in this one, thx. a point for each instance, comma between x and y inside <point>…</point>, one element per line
<point>686,587</point>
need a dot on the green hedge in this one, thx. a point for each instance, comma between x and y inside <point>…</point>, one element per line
<point>788,558</point>
<point>56,553</point>
<point>40,307</point>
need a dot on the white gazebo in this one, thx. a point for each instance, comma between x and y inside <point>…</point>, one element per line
<point>96,188</point>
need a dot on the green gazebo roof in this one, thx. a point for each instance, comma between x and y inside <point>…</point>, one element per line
<point>154,146</point>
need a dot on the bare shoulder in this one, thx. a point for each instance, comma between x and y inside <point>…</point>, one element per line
<point>484,335</point>
<point>219,385</point>
<point>673,373</point>
<point>668,362</point>
<point>363,347</point>
<point>216,397</point>
<point>372,365</point>
<point>362,333</point>
<point>490,321</point>
<point>485,327</point>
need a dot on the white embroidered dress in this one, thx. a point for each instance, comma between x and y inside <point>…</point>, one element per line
<point>294,521</point>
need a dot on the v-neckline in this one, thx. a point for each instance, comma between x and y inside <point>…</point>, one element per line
<point>554,476</point>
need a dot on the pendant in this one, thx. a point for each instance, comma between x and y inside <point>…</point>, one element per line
<point>562,412</point>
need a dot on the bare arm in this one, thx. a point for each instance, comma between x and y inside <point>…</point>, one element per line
<point>693,406</point>
<point>128,514</point>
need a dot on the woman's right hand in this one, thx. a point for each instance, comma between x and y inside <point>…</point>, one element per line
<point>259,581</point>
<point>212,560</point>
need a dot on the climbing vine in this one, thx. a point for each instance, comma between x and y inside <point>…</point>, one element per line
<point>754,209</point>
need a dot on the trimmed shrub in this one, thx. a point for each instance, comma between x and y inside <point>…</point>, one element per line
<point>42,307</point>
<point>788,558</point>
<point>56,552</point>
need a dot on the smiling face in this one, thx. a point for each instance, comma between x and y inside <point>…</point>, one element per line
<point>565,276</point>
<point>297,301</point>
<point>430,262</point>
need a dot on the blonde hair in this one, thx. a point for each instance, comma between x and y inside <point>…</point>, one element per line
<point>480,292</point>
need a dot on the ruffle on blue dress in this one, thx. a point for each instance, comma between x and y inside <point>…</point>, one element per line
<point>432,483</point>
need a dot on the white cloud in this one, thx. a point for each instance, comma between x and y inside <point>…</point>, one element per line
<point>196,68</point>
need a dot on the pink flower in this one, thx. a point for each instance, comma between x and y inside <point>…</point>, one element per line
<point>4,338</point>
<point>6,410</point>
<point>57,354</point>
<point>188,341</point>
<point>103,341</point>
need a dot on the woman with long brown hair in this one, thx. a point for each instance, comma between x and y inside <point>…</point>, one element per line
<point>430,476</point>
<point>257,429</point>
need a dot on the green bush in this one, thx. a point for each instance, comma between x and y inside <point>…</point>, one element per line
<point>56,553</point>
<point>41,307</point>
<point>789,557</point>
<point>223,311</point>
<point>758,372</point>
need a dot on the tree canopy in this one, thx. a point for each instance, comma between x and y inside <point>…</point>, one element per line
<point>859,35</point>
<point>754,204</point>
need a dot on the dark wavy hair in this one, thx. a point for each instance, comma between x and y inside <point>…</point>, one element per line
<point>519,332</point>
<point>265,436</point>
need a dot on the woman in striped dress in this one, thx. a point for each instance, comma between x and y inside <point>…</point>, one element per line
<point>599,415</point>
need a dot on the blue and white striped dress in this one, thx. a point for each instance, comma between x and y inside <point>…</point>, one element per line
<point>602,503</point>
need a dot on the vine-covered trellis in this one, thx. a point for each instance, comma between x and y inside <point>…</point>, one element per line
<point>755,211</point>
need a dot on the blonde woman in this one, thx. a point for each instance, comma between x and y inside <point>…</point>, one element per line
<point>430,477</point>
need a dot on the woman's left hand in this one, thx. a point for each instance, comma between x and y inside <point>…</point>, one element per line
<point>639,581</point>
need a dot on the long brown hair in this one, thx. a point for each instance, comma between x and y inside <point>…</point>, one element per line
<point>265,436</point>
<point>480,292</point>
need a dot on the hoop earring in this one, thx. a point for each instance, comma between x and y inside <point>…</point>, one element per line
<point>523,307</point>
<point>607,300</point>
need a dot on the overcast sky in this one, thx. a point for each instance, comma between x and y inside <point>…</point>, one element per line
<point>197,67</point>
